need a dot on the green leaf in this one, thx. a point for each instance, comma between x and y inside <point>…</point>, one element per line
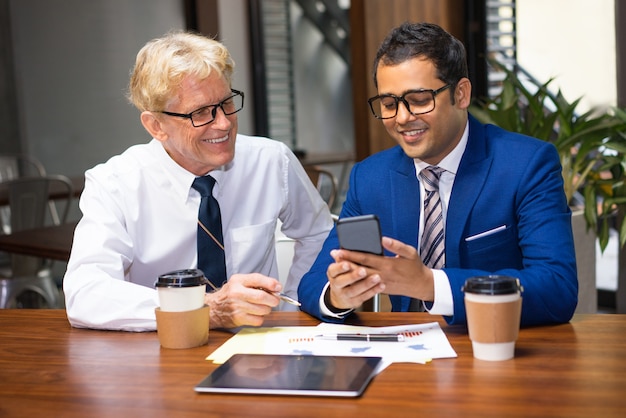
<point>603,235</point>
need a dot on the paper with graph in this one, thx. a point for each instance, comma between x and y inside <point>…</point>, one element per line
<point>422,342</point>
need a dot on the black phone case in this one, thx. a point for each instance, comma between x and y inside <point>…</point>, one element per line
<point>360,233</point>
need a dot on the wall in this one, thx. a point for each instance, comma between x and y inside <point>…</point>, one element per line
<point>9,128</point>
<point>72,60</point>
<point>573,41</point>
<point>235,34</point>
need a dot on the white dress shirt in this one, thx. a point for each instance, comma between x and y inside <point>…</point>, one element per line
<point>140,221</point>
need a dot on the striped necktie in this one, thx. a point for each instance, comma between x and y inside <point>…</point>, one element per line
<point>211,258</point>
<point>432,245</point>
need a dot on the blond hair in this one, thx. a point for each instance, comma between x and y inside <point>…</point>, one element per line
<point>163,63</point>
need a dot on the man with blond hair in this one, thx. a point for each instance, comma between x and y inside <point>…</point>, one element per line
<point>140,208</point>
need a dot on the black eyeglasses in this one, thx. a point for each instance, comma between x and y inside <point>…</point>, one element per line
<point>206,114</point>
<point>417,102</point>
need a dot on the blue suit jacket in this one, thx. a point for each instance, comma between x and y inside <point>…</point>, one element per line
<point>503,179</point>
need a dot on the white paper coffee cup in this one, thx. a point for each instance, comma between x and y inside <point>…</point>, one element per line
<point>181,290</point>
<point>493,306</point>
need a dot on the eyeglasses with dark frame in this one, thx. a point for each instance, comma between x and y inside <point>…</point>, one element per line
<point>417,102</point>
<point>206,114</point>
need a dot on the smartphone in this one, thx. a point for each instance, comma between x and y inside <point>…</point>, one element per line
<point>360,233</point>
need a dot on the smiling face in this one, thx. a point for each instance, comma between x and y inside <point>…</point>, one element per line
<point>430,136</point>
<point>198,150</point>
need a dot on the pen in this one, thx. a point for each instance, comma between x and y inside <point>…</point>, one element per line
<point>363,337</point>
<point>281,296</point>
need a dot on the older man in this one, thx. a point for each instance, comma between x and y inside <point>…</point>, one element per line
<point>141,208</point>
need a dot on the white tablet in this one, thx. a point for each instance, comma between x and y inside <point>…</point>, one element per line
<point>305,375</point>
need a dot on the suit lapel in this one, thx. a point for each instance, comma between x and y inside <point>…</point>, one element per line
<point>469,181</point>
<point>405,204</point>
<point>405,201</point>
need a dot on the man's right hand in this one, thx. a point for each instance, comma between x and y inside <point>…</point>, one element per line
<point>241,302</point>
<point>351,284</point>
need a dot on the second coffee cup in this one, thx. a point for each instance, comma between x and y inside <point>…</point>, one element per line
<point>493,306</point>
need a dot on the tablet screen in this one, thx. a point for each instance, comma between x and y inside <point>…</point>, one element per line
<point>291,375</point>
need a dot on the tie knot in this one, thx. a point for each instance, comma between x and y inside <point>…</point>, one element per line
<point>430,176</point>
<point>204,185</point>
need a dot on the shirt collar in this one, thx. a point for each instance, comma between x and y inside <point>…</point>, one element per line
<point>179,179</point>
<point>450,162</point>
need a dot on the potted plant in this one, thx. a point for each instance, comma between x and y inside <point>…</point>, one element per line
<point>592,146</point>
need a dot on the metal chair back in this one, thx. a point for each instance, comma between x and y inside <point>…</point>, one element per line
<point>30,207</point>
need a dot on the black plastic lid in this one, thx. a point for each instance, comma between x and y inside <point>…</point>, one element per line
<point>182,278</point>
<point>492,285</point>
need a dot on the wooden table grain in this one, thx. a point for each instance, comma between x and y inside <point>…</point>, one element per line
<point>48,368</point>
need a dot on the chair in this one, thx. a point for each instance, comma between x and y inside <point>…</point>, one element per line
<point>284,253</point>
<point>29,280</point>
<point>285,249</point>
<point>324,181</point>
<point>13,166</point>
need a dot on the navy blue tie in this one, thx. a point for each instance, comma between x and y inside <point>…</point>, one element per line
<point>211,258</point>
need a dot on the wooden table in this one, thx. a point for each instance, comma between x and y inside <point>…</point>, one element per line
<point>48,368</point>
<point>54,242</point>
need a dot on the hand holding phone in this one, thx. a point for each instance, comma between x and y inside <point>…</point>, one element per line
<point>360,233</point>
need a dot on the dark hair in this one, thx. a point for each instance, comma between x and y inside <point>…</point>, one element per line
<point>411,40</point>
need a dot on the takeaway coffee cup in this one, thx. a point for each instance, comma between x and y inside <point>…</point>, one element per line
<point>182,318</point>
<point>493,305</point>
<point>181,290</point>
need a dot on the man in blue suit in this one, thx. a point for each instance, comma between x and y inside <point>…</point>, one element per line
<point>502,199</point>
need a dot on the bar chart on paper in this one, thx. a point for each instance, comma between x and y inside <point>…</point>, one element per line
<point>419,343</point>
